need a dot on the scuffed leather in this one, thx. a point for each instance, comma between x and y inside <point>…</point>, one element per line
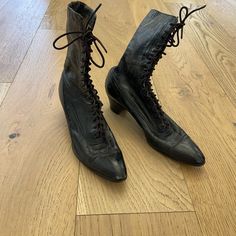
<point>102,155</point>
<point>123,87</point>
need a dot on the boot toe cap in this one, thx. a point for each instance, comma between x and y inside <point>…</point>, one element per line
<point>188,152</point>
<point>111,167</point>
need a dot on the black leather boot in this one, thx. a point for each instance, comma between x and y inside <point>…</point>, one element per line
<point>129,87</point>
<point>92,140</point>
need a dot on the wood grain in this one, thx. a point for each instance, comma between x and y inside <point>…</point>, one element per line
<point>171,224</point>
<point>39,179</point>
<point>215,47</point>
<point>38,172</point>
<point>3,91</point>
<point>223,16</point>
<point>203,109</point>
<point>222,11</point>
<point>19,21</point>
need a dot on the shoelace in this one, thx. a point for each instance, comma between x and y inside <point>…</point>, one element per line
<point>89,38</point>
<point>87,34</point>
<point>179,27</point>
<point>156,55</point>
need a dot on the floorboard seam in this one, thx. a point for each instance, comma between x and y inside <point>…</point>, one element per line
<point>136,213</point>
<point>76,199</point>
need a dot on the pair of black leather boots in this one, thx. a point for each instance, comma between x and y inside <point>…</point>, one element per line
<point>128,88</point>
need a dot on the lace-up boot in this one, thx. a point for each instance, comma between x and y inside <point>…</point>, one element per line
<point>92,140</point>
<point>129,87</point>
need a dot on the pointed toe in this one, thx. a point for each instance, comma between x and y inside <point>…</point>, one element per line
<point>120,177</point>
<point>120,173</point>
<point>112,168</point>
<point>188,152</point>
<point>199,159</point>
<point>118,168</point>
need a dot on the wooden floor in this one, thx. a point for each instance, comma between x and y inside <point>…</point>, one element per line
<point>44,190</point>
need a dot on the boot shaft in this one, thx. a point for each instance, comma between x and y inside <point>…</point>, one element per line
<point>77,59</point>
<point>80,23</point>
<point>151,34</point>
<point>78,15</point>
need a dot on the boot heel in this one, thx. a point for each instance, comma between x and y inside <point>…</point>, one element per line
<point>115,106</point>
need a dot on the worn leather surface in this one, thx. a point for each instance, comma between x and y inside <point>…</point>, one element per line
<point>100,153</point>
<point>123,87</point>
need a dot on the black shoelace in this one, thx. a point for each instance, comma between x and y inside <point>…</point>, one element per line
<point>88,38</point>
<point>171,40</point>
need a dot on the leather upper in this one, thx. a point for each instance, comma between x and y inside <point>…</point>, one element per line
<point>151,33</point>
<point>92,139</point>
<point>123,86</point>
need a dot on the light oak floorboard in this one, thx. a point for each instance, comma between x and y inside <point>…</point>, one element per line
<point>152,224</point>
<point>216,48</point>
<point>222,11</point>
<point>193,98</point>
<point>38,172</point>
<point>19,23</point>
<point>39,179</point>
<point>3,91</point>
